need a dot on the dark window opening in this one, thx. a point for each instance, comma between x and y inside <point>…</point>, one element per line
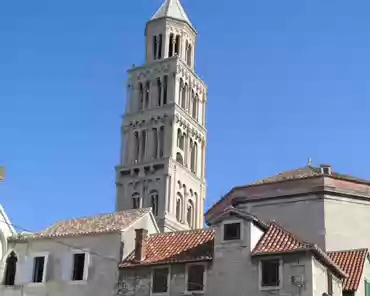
<point>170,47</point>
<point>154,203</point>
<point>270,273</point>
<point>231,231</point>
<point>161,139</point>
<point>147,92</point>
<point>177,45</point>
<point>330,283</point>
<point>154,47</point>
<point>10,269</point>
<point>38,269</point>
<point>136,201</point>
<point>195,278</point>
<point>78,267</point>
<point>159,89</point>
<point>165,90</point>
<point>160,47</point>
<point>160,280</point>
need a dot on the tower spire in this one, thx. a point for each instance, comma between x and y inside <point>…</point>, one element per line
<point>172,9</point>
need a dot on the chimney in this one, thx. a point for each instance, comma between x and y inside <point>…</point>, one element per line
<point>325,169</point>
<point>140,244</point>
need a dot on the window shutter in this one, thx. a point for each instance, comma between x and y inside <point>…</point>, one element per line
<point>87,265</point>
<point>28,270</point>
<point>67,267</point>
<point>45,274</point>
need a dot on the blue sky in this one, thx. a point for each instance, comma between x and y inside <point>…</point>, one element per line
<point>287,80</point>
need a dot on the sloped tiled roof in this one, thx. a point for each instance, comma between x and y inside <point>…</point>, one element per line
<point>352,262</point>
<point>172,9</point>
<point>112,222</point>
<point>182,246</point>
<point>299,173</point>
<point>277,240</point>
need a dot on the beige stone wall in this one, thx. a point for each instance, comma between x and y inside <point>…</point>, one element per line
<point>102,270</point>
<point>320,280</point>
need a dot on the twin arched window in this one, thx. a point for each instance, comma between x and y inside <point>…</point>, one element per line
<point>10,269</point>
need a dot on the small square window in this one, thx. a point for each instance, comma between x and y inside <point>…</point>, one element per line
<point>231,231</point>
<point>195,277</point>
<point>270,273</point>
<point>160,280</point>
<point>78,267</point>
<point>38,269</point>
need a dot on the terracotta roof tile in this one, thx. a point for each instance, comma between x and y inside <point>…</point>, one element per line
<point>112,222</point>
<point>352,262</point>
<point>277,239</point>
<point>183,246</point>
<point>296,174</point>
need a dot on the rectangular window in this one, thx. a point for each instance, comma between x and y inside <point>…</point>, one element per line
<point>160,280</point>
<point>38,269</point>
<point>195,277</point>
<point>270,273</point>
<point>330,283</point>
<point>231,231</point>
<point>78,267</point>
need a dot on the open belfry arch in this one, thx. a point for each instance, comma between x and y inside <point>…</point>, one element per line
<point>163,131</point>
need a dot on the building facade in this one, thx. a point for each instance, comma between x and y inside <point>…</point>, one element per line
<point>163,131</point>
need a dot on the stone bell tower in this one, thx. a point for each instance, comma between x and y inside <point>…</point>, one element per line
<point>163,130</point>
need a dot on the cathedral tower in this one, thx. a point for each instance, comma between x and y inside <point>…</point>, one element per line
<point>163,130</point>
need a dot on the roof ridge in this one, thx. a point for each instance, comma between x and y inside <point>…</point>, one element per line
<point>183,231</point>
<point>144,210</point>
<point>348,250</point>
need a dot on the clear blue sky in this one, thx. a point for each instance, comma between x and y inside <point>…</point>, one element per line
<point>287,80</point>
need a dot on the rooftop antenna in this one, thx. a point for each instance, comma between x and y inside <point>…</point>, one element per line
<point>309,162</point>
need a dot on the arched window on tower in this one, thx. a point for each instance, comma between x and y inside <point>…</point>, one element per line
<point>155,47</point>
<point>189,55</point>
<point>190,214</point>
<point>10,269</point>
<point>154,202</point>
<point>183,97</point>
<point>161,141</point>
<point>141,96</point>
<point>193,156</point>
<point>147,94</point>
<point>178,207</point>
<point>181,87</point>
<point>136,201</point>
<point>159,91</point>
<point>170,46</point>
<point>179,158</point>
<point>195,106</point>
<point>155,143</point>
<point>143,145</point>
<point>136,148</point>
<point>160,46</point>
<point>177,45</point>
<point>165,82</point>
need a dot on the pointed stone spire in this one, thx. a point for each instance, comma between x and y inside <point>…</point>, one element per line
<point>172,9</point>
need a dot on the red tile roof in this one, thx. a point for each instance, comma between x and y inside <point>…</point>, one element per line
<point>278,240</point>
<point>183,246</point>
<point>296,174</point>
<point>113,222</point>
<point>352,262</point>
